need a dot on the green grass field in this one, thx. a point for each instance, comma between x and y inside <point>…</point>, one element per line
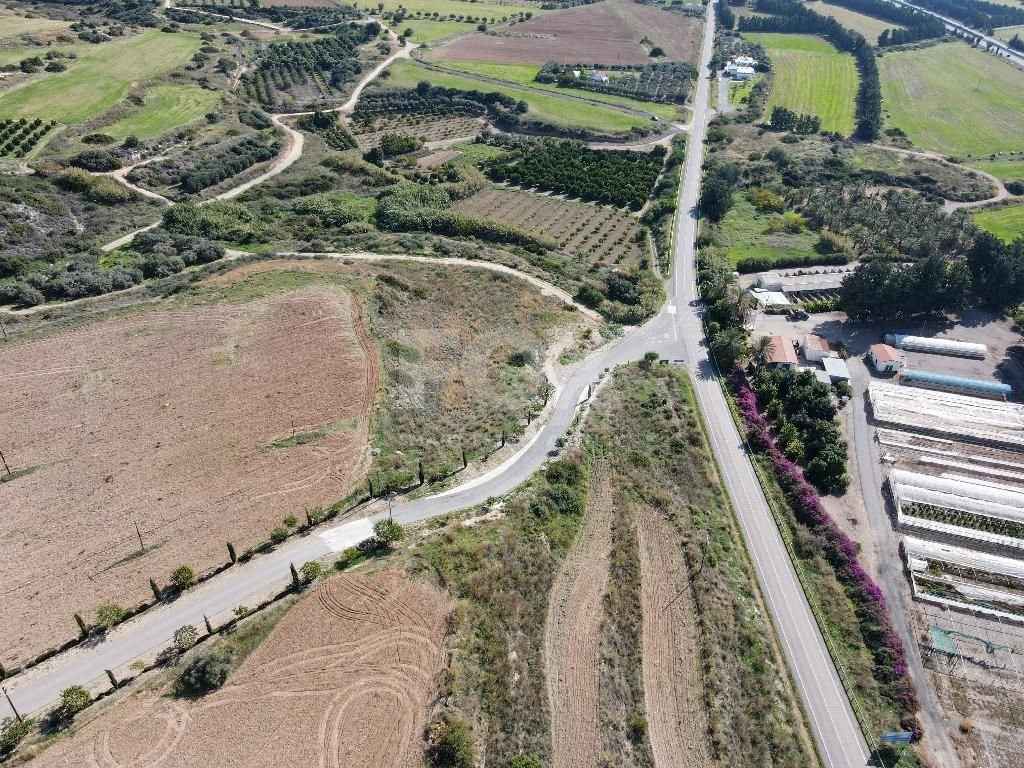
<point>429,31</point>
<point>99,78</point>
<point>954,99</point>
<point>868,26</point>
<point>13,27</point>
<point>166,108</point>
<point>1007,170</point>
<point>1007,33</point>
<point>746,232</point>
<point>405,74</point>
<point>812,77</point>
<point>463,7</point>
<point>523,74</point>
<point>1005,223</point>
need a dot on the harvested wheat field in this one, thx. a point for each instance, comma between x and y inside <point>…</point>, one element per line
<point>608,33</point>
<point>671,642</point>
<point>572,636</point>
<point>202,424</point>
<point>344,681</point>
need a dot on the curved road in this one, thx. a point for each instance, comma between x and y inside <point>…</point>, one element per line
<point>675,332</point>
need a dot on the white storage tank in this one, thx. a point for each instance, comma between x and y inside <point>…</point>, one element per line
<point>936,346</point>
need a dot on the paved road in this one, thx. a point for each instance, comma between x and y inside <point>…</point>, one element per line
<point>675,332</point>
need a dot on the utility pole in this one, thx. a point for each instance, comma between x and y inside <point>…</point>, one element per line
<point>5,462</point>
<point>11,704</point>
<point>139,534</point>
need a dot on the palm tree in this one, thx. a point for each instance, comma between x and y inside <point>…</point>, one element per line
<point>760,349</point>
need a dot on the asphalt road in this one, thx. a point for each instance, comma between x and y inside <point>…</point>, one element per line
<point>676,332</point>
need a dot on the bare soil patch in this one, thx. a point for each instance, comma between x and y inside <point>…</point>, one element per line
<point>429,129</point>
<point>344,680</point>
<point>437,159</point>
<point>672,678</point>
<point>613,32</point>
<point>166,419</point>
<point>572,635</point>
<point>601,235</point>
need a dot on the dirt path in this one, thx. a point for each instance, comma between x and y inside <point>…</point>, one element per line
<point>953,205</point>
<point>572,637</point>
<point>677,720</point>
<point>121,175</point>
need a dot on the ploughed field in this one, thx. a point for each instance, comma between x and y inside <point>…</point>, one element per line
<point>345,679</point>
<point>609,33</point>
<point>595,233</point>
<point>168,419</point>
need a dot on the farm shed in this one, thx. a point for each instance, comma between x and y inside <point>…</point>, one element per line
<point>815,348</point>
<point>769,298</point>
<point>884,358</point>
<point>743,73</point>
<point>979,387</point>
<point>966,578</point>
<point>960,506</point>
<point>824,279</point>
<point>836,369</point>
<point>948,415</point>
<point>937,346</point>
<point>780,353</point>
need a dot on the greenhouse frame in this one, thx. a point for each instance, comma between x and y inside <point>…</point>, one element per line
<point>948,415</point>
<point>959,384</point>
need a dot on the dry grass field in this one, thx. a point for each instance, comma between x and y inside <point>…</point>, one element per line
<point>344,680</point>
<point>612,32</point>
<point>594,233</point>
<point>168,419</point>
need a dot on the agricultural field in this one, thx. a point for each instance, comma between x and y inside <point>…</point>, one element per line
<point>868,26</point>
<point>496,10</point>
<point>750,234</point>
<point>599,235</point>
<point>1006,223</point>
<point>523,74</point>
<point>1007,33</point>
<point>166,107</point>
<point>553,108</point>
<point>346,678</point>
<point>99,77</point>
<point>426,127</point>
<point>1007,169</point>
<point>608,33</point>
<point>981,99</point>
<point>19,137</point>
<point>431,31</point>
<point>811,77</point>
<point>14,26</point>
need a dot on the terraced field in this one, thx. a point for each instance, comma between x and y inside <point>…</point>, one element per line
<point>811,77</point>
<point>594,233</point>
<point>979,98</point>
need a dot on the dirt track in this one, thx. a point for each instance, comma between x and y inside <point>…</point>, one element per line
<point>676,716</point>
<point>572,638</point>
<point>344,681</point>
<point>166,418</point>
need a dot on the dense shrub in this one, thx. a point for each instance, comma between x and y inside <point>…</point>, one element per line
<point>205,672</point>
<point>97,160</point>
<point>217,221</point>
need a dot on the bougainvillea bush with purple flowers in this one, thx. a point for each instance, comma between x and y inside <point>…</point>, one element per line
<point>887,651</point>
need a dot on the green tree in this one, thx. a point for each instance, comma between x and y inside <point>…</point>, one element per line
<point>73,700</point>
<point>454,747</point>
<point>728,346</point>
<point>388,531</point>
<point>715,198</point>
<point>183,577</point>
<point>109,615</point>
<point>648,361</point>
<point>525,761</point>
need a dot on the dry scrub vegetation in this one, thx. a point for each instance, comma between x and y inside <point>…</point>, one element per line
<point>345,679</point>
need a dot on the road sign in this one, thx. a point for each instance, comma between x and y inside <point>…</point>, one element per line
<point>897,737</point>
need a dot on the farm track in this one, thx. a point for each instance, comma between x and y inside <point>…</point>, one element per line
<point>671,667</point>
<point>572,636</point>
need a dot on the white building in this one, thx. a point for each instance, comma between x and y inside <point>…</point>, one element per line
<point>836,369</point>
<point>884,358</point>
<point>743,73</point>
<point>816,348</point>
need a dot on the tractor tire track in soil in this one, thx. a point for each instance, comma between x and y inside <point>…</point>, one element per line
<point>572,635</point>
<point>346,679</point>
<point>677,720</point>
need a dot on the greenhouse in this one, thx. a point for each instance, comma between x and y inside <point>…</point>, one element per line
<point>979,387</point>
<point>965,578</point>
<point>936,346</point>
<point>960,506</point>
<point>948,415</point>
